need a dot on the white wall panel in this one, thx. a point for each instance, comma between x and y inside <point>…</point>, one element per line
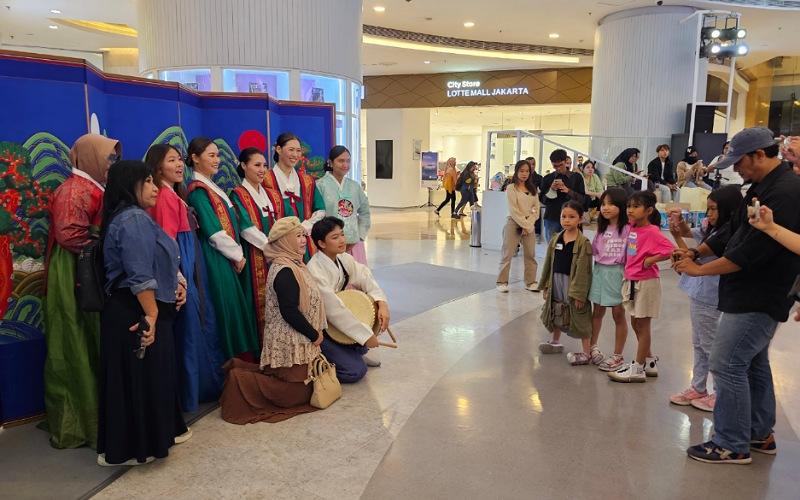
<point>322,36</point>
<point>643,73</point>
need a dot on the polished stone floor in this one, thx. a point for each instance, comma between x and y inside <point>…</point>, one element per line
<point>468,408</point>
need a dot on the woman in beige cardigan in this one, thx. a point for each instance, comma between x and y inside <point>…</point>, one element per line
<point>523,210</point>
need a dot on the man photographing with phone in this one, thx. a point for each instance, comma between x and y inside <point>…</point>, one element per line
<point>558,187</point>
<point>756,275</point>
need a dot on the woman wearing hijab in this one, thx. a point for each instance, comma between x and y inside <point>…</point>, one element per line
<point>139,416</point>
<point>295,321</point>
<point>691,170</point>
<point>72,336</point>
<point>624,161</point>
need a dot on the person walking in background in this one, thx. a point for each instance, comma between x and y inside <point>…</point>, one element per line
<point>559,187</point>
<point>467,184</point>
<point>345,200</point>
<point>72,335</point>
<point>662,174</point>
<point>523,209</point>
<point>449,180</point>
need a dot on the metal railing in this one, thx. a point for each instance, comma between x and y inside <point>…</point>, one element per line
<point>605,148</point>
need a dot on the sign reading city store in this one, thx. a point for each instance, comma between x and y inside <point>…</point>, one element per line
<point>472,88</point>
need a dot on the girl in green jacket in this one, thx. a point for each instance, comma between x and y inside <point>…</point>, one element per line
<point>565,282</point>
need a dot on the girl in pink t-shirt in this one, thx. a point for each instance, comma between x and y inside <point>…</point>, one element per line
<point>609,247</point>
<point>641,290</point>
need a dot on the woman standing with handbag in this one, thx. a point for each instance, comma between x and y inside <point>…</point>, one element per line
<point>523,209</point>
<point>72,335</point>
<point>295,319</point>
<point>140,417</point>
<point>199,357</point>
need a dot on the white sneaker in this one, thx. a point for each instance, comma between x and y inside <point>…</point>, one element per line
<point>372,359</point>
<point>651,366</point>
<point>101,461</point>
<point>634,372</point>
<point>502,287</point>
<point>551,347</point>
<point>533,287</point>
<point>184,437</point>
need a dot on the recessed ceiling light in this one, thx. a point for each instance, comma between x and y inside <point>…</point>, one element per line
<point>55,11</point>
<point>426,62</point>
<point>379,8</point>
<point>53,27</point>
<point>469,24</point>
<point>553,35</point>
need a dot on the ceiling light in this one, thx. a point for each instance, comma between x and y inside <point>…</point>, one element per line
<point>741,33</point>
<point>715,49</point>
<point>426,62</point>
<point>715,33</point>
<point>379,9</point>
<point>469,24</point>
<point>494,54</point>
<point>553,35</point>
<point>53,27</point>
<point>55,11</point>
<point>743,50</point>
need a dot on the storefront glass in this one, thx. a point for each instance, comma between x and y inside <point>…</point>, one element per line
<point>274,83</point>
<point>196,79</point>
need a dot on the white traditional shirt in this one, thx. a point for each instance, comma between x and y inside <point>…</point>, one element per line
<point>291,183</point>
<point>220,240</point>
<point>329,275</point>
<point>81,173</point>
<point>252,234</point>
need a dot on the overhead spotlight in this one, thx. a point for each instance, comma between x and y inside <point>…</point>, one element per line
<point>715,33</point>
<point>426,62</point>
<point>379,9</point>
<point>553,35</point>
<point>741,33</point>
<point>709,33</point>
<point>742,50</point>
<point>716,48</point>
<point>53,27</point>
<point>55,11</point>
<point>469,24</point>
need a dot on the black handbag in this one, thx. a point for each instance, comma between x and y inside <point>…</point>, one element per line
<point>90,277</point>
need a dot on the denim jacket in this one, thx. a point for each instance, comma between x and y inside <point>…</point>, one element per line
<point>139,255</point>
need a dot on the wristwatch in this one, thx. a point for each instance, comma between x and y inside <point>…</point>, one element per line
<point>695,253</point>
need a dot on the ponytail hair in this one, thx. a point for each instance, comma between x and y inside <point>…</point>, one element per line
<point>334,153</point>
<point>196,147</point>
<point>281,142</point>
<point>647,200</point>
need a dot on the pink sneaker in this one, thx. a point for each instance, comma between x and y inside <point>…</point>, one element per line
<point>706,403</point>
<point>687,397</point>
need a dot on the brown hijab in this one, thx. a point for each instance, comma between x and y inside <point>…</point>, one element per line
<point>282,249</point>
<point>90,154</point>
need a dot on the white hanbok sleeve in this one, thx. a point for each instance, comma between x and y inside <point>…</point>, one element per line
<point>335,311</point>
<point>362,279</point>
<point>255,237</point>
<point>227,246</point>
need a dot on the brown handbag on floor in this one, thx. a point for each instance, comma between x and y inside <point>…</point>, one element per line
<point>327,388</point>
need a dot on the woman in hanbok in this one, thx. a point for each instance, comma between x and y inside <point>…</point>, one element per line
<point>254,208</point>
<point>293,193</point>
<point>219,239</point>
<point>199,358</point>
<point>72,335</point>
<point>345,199</point>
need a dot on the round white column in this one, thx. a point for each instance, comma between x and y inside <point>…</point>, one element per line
<point>320,36</point>
<point>643,77</point>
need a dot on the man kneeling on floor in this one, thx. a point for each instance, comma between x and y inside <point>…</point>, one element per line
<point>334,270</point>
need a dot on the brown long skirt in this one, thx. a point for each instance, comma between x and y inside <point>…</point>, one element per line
<point>253,395</point>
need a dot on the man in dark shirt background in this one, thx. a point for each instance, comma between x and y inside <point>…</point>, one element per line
<point>756,274</point>
<point>661,173</point>
<point>558,187</point>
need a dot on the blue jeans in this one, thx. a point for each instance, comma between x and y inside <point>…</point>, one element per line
<point>745,407</point>
<point>550,227</point>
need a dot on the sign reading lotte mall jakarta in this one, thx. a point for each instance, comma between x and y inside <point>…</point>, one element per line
<point>479,88</point>
<point>468,88</point>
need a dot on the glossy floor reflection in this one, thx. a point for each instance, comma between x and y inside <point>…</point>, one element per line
<point>468,408</point>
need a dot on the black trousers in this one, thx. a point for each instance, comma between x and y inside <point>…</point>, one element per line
<point>451,197</point>
<point>139,411</point>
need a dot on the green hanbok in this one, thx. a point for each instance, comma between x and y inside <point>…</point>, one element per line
<point>219,239</point>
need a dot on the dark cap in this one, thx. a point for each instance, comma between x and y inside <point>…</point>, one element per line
<point>747,141</point>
